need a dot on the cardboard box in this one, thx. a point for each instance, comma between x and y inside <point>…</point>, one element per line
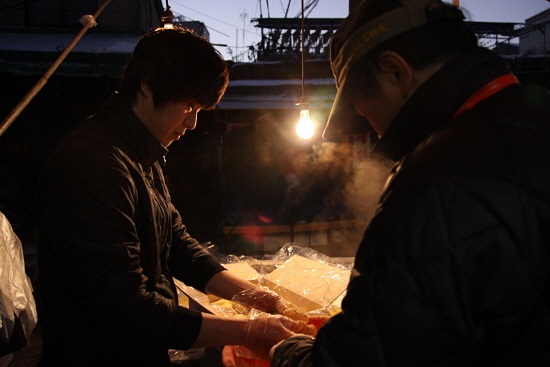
<point>307,283</point>
<point>243,270</point>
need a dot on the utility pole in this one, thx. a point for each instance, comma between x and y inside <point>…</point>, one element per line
<point>244,15</point>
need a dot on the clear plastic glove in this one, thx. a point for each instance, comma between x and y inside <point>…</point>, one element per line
<point>263,332</point>
<point>266,300</point>
<point>318,318</point>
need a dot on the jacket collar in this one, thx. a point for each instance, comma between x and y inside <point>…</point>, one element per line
<point>126,123</point>
<point>435,102</point>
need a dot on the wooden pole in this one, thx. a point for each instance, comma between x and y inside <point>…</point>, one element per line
<point>43,80</point>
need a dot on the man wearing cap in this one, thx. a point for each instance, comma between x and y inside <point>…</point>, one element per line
<point>454,269</point>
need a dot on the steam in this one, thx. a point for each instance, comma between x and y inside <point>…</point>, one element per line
<point>336,182</point>
<point>288,183</point>
<point>365,186</point>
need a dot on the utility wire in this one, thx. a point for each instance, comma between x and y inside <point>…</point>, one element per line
<point>208,16</point>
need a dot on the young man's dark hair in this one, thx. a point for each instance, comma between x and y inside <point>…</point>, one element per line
<point>177,65</point>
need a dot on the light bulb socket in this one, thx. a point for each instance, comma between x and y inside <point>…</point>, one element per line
<point>167,17</point>
<point>302,102</point>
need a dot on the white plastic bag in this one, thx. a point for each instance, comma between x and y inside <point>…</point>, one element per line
<point>18,315</point>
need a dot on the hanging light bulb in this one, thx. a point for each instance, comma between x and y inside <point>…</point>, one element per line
<point>305,127</point>
<point>167,17</point>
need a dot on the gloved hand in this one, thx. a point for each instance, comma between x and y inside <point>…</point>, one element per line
<point>229,359</point>
<point>266,300</point>
<point>264,331</point>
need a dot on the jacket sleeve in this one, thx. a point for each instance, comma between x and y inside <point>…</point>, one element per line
<point>189,261</point>
<point>295,351</point>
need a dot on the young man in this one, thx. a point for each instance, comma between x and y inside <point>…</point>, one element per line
<point>110,240</point>
<point>454,268</point>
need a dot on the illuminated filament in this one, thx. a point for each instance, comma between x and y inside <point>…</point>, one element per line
<point>305,127</point>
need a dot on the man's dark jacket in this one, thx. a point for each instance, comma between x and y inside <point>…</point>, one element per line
<point>454,268</point>
<point>110,242</point>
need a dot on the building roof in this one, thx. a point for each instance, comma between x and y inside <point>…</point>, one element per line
<point>95,54</point>
<point>278,85</point>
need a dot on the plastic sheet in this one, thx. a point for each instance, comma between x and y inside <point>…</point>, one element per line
<point>290,249</point>
<point>308,279</point>
<point>18,315</point>
<point>315,283</point>
<point>329,276</point>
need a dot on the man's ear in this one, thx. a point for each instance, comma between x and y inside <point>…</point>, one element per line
<point>144,89</point>
<point>398,70</point>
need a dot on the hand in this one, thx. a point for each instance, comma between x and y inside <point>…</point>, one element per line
<point>266,300</point>
<point>318,321</point>
<point>263,332</point>
<point>230,357</point>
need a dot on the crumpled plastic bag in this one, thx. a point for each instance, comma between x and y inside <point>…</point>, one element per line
<point>18,316</point>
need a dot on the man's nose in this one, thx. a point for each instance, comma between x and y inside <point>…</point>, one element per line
<point>190,121</point>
